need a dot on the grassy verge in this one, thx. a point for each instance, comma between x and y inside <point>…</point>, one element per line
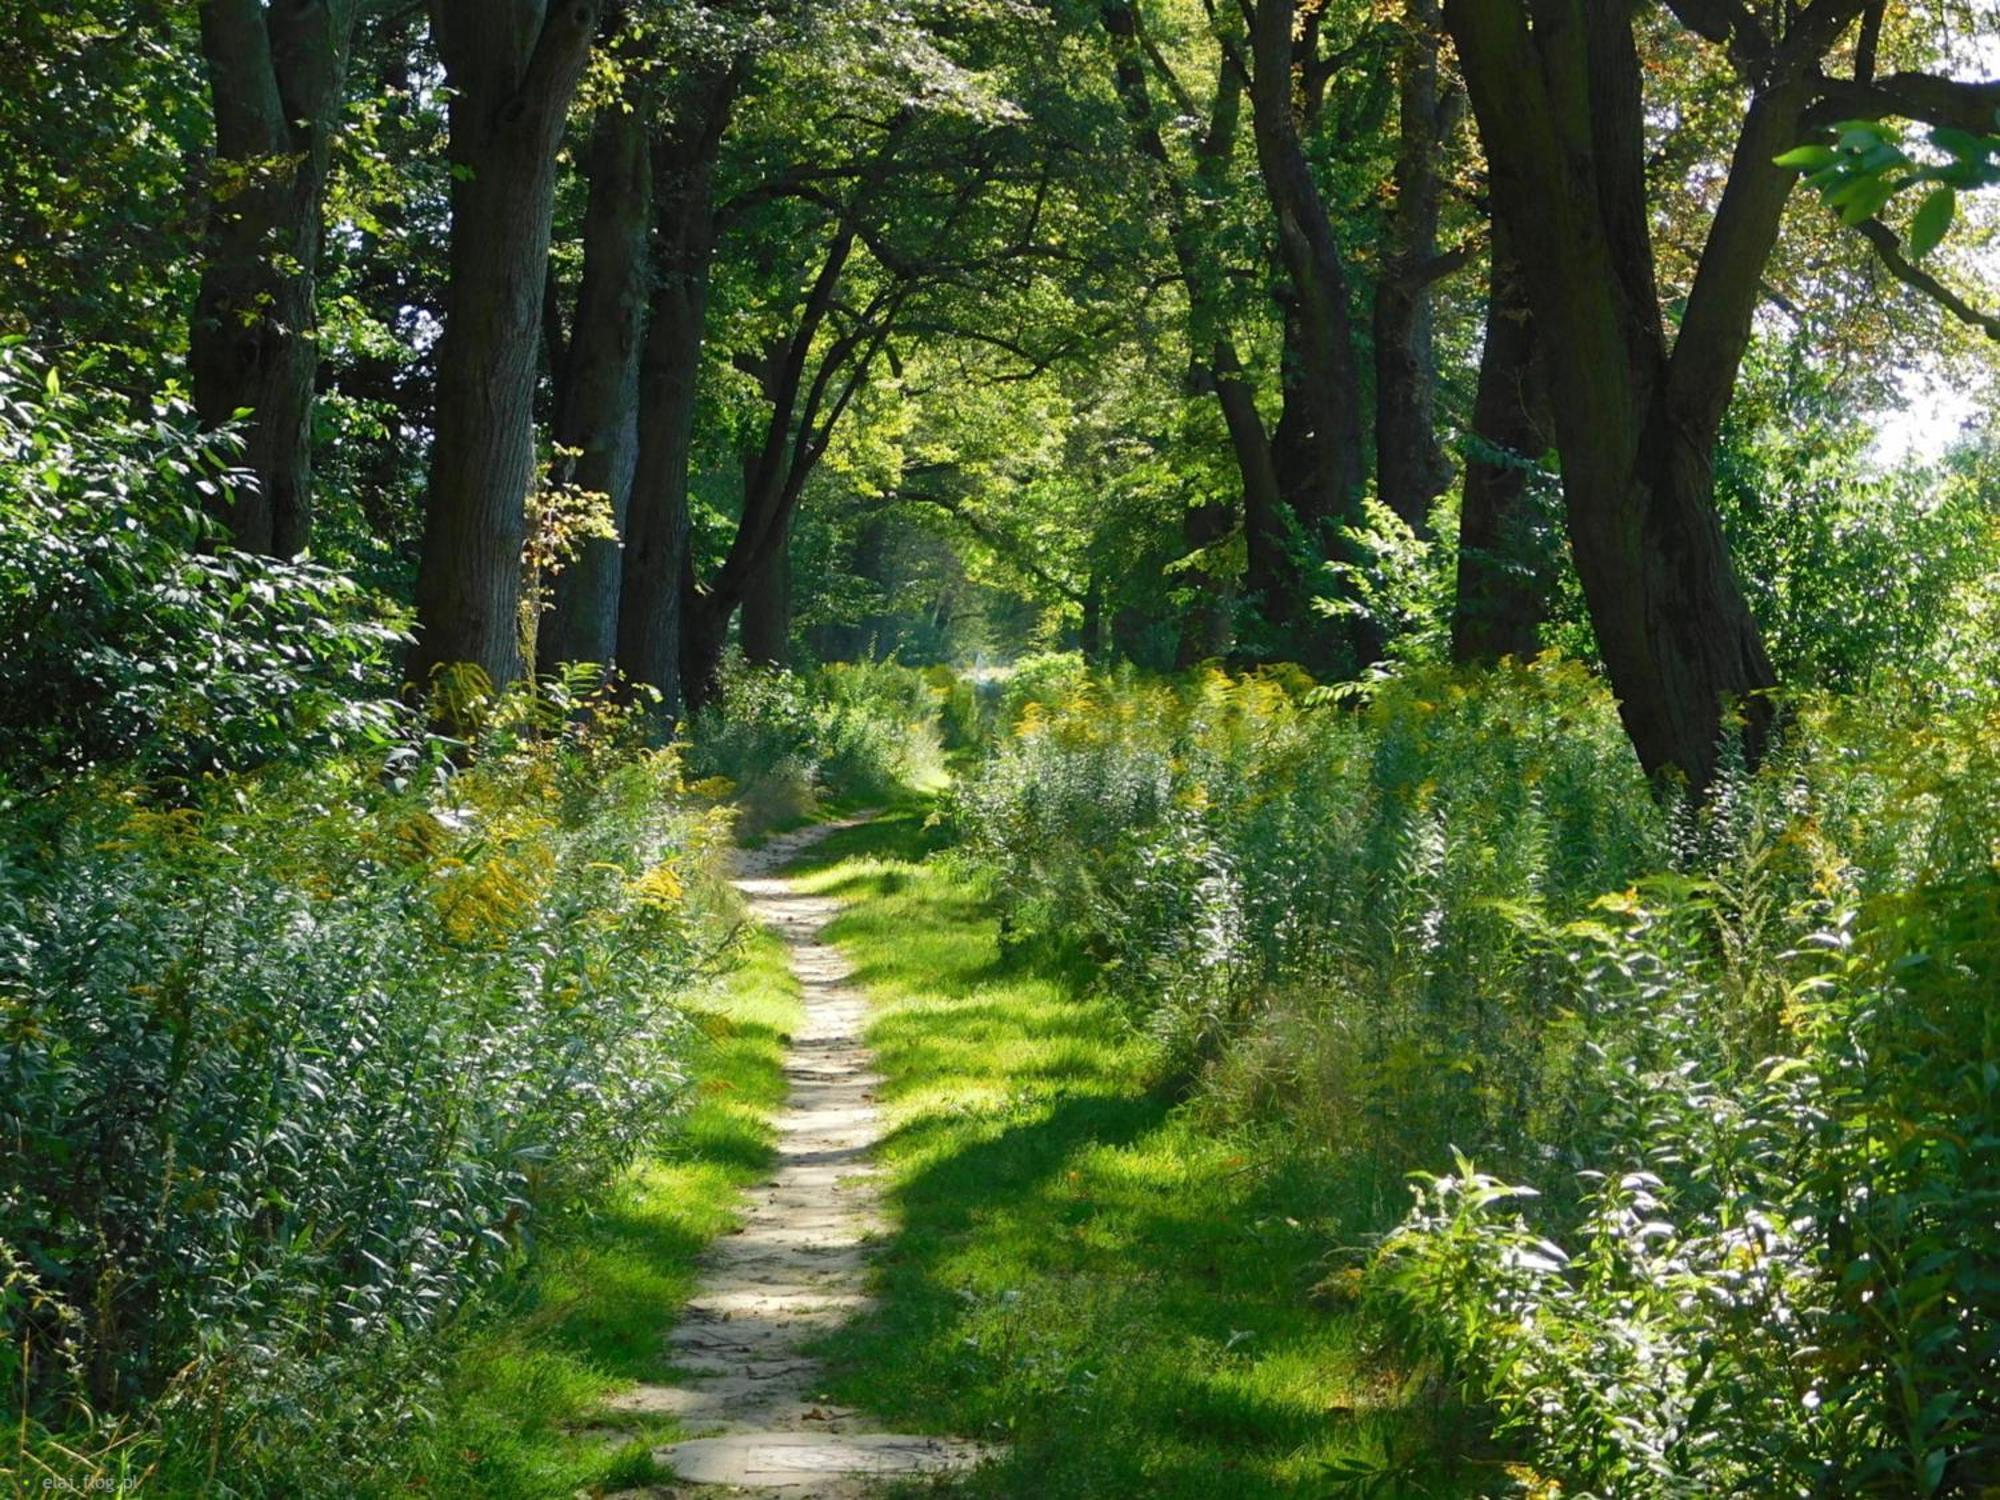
<point>1134,1304</point>
<point>591,1318</point>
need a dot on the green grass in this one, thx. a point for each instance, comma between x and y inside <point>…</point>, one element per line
<point>1133,1304</point>
<point>592,1317</point>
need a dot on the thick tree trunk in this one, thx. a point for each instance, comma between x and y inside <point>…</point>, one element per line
<point>597,406</point>
<point>1562,118</point>
<point>1411,469</point>
<point>513,66</point>
<point>704,640</point>
<point>276,75</point>
<point>767,603</point>
<point>1318,446</point>
<point>1503,573</point>
<point>657,579</point>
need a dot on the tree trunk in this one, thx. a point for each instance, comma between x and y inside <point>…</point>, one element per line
<point>767,603</point>
<point>803,415</point>
<point>704,640</point>
<point>1091,631</point>
<point>1504,572</point>
<point>1561,114</point>
<point>1317,447</point>
<point>597,407</point>
<point>513,66</point>
<point>1319,440</point>
<point>1411,469</point>
<point>277,75</point>
<point>1213,351</point>
<point>657,578</point>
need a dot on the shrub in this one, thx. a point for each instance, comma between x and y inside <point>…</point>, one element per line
<point>297,1063</point>
<point>961,719</point>
<point>127,635</point>
<point>1040,677</point>
<point>856,731</point>
<point>1235,847</point>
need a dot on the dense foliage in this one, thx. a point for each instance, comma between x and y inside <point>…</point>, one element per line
<point>1719,1084</point>
<point>858,732</point>
<point>299,1062</point>
<point>124,635</point>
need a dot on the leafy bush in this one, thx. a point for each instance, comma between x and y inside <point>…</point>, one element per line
<point>296,1064</point>
<point>1221,849</point>
<point>126,635</point>
<point>1856,577</point>
<point>961,719</point>
<point>1790,1177</point>
<point>1041,677</point>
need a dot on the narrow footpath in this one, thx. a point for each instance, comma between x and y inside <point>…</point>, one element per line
<point>798,1268</point>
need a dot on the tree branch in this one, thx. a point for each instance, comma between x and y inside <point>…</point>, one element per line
<point>1007,548</point>
<point>1935,100</point>
<point>1890,251</point>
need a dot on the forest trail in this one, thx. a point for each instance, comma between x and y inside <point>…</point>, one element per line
<point>798,1267</point>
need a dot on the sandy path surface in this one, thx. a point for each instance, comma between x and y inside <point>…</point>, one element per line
<point>798,1267</point>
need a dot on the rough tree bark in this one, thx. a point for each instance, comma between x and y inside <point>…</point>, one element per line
<point>1502,584</point>
<point>513,66</point>
<point>767,602</point>
<point>276,75</point>
<point>1411,467</point>
<point>1560,110</point>
<point>656,576</point>
<point>1318,443</point>
<point>597,389</point>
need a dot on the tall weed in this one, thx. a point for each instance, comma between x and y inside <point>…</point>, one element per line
<point>1717,1086</point>
<point>298,1062</point>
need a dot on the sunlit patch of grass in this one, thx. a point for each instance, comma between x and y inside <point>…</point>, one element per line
<point>1123,1299</point>
<point>591,1318</point>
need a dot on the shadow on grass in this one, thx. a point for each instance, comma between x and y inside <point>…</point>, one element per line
<point>1129,1304</point>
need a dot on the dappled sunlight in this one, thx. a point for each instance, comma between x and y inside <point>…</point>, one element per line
<point>1128,1301</point>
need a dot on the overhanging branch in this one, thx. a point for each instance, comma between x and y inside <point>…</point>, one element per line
<point>1889,250</point>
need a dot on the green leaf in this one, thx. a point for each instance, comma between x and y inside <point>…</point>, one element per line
<point>1865,201</point>
<point>1962,144</point>
<point>1807,158</point>
<point>1933,218</point>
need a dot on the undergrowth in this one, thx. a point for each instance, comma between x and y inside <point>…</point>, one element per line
<point>300,1062</point>
<point>784,745</point>
<point>1708,1099</point>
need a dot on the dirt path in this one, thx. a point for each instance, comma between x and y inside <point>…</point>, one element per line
<point>798,1267</point>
